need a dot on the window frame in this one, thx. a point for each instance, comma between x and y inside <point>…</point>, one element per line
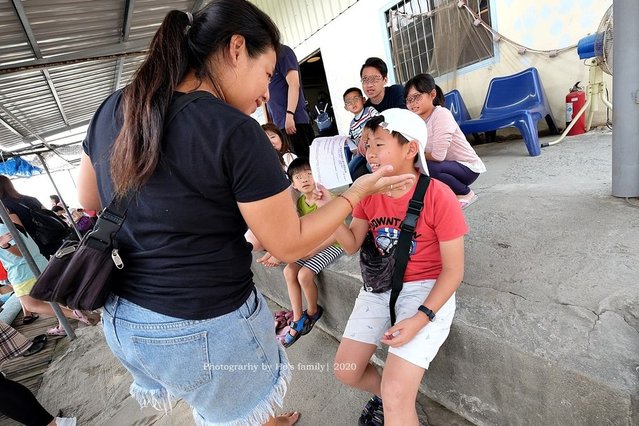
<point>423,66</point>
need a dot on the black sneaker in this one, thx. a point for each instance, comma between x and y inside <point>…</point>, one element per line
<point>373,413</point>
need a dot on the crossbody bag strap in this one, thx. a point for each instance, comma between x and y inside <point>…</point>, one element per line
<point>408,226</point>
<point>109,222</point>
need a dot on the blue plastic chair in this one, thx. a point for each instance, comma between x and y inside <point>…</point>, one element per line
<point>516,100</point>
<point>455,103</point>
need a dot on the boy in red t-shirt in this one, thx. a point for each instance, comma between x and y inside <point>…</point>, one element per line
<point>426,304</point>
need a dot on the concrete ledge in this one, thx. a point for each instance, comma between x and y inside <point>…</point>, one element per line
<point>501,364</point>
<point>547,325</point>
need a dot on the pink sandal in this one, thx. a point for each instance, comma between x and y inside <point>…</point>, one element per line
<point>56,331</point>
<point>282,318</point>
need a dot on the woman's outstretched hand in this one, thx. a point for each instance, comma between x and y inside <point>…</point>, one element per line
<point>379,183</point>
<point>373,183</point>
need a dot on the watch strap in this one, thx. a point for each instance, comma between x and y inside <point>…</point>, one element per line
<point>430,314</point>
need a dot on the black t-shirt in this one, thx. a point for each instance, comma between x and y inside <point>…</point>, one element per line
<point>393,98</point>
<point>182,242</point>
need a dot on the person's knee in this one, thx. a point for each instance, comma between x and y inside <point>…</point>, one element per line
<point>396,395</point>
<point>347,376</point>
<point>290,272</point>
<point>347,371</point>
<point>306,277</point>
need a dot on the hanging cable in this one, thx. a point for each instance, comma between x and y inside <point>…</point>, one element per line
<point>496,35</point>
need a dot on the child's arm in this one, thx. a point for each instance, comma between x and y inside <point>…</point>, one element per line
<point>452,253</point>
<point>327,242</point>
<point>351,239</point>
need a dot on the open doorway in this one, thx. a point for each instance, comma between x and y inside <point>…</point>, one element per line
<point>315,87</point>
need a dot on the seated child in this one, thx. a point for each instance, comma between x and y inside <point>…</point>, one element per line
<point>280,144</point>
<point>354,102</point>
<point>300,276</point>
<point>450,157</point>
<point>434,272</point>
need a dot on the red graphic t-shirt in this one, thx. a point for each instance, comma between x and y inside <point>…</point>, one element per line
<point>440,220</point>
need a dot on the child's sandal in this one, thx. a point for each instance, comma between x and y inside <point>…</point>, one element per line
<point>312,320</point>
<point>298,326</point>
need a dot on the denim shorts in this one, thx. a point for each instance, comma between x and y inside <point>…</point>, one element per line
<point>230,368</point>
<point>370,319</point>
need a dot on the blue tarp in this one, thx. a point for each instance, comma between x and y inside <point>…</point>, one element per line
<point>16,166</point>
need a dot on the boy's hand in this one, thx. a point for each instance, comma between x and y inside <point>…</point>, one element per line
<point>321,196</point>
<point>404,331</point>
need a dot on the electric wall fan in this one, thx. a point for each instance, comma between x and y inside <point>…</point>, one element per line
<point>596,49</point>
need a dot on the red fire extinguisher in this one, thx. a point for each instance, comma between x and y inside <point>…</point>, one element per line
<point>575,100</point>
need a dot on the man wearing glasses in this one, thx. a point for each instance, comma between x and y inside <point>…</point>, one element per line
<point>374,75</point>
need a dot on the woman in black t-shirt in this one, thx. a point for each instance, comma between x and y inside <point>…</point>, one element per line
<point>185,317</point>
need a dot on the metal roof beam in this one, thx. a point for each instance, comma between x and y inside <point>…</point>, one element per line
<point>129,48</point>
<point>38,137</point>
<point>26,26</point>
<point>24,21</point>
<point>10,127</point>
<point>128,17</point>
<point>54,92</point>
<point>61,130</point>
<point>124,37</point>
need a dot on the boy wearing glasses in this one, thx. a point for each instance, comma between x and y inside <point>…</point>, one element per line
<point>374,75</point>
<point>354,102</point>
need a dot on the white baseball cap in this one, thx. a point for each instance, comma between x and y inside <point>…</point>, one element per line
<point>412,127</point>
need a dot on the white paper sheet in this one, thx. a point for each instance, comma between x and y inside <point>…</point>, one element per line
<point>328,162</point>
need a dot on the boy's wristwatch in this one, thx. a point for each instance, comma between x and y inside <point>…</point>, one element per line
<point>430,314</point>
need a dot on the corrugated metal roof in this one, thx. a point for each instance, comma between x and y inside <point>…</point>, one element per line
<point>60,58</point>
<point>48,81</point>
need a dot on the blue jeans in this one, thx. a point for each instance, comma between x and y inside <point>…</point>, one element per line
<point>230,369</point>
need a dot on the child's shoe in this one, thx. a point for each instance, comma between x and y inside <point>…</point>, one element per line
<point>373,413</point>
<point>298,326</point>
<point>308,326</point>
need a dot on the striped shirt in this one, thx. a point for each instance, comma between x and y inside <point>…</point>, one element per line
<point>358,122</point>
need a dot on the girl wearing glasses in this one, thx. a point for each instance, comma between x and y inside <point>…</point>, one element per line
<point>450,157</point>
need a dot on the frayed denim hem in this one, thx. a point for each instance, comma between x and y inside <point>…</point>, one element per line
<point>265,409</point>
<point>158,399</point>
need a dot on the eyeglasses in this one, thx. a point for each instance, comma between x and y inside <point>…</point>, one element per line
<point>413,98</point>
<point>352,101</point>
<point>372,79</point>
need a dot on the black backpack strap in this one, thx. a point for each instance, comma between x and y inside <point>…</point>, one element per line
<point>415,207</point>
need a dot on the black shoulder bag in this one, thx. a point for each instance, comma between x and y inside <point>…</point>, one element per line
<point>381,273</point>
<point>79,274</point>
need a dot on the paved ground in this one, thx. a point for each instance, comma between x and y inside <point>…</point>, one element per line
<point>547,237</point>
